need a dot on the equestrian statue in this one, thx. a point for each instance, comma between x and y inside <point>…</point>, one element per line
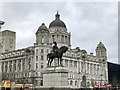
<point>56,53</point>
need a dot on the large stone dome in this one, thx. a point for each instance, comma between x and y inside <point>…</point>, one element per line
<point>57,22</point>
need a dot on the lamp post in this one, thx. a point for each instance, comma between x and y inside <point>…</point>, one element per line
<point>1,23</point>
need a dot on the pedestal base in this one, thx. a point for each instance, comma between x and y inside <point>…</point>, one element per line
<point>55,77</point>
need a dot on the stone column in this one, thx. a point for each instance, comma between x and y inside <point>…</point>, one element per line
<point>8,67</point>
<point>3,67</point>
<point>80,66</point>
<point>16,65</point>
<point>89,68</point>
<point>21,65</point>
<point>12,66</point>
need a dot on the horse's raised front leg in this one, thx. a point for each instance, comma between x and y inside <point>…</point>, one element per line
<point>48,62</point>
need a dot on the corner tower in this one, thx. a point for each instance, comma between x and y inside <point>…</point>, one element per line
<point>58,32</point>
<point>42,35</point>
<point>101,51</point>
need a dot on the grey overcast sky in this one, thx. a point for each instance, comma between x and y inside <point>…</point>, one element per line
<point>88,22</point>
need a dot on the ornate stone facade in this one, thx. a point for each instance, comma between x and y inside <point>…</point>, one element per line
<point>26,65</point>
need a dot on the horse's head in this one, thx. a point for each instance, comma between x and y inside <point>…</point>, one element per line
<point>63,49</point>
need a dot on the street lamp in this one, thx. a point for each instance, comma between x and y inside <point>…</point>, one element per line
<point>1,23</point>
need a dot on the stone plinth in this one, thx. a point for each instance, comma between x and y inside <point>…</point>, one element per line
<point>55,77</point>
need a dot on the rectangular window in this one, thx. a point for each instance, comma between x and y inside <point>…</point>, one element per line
<point>66,39</point>
<point>53,38</point>
<point>72,55</point>
<point>23,67</point>
<point>36,58</point>
<point>66,62</point>
<point>36,51</point>
<point>97,69</point>
<point>70,63</point>
<point>88,67</point>
<point>36,73</point>
<point>42,58</point>
<point>29,62</point>
<point>41,66</point>
<point>91,68</point>
<point>75,63</point>
<point>42,51</point>
<point>36,82</point>
<point>41,82</point>
<point>36,65</point>
<point>94,68</point>
<point>25,74</point>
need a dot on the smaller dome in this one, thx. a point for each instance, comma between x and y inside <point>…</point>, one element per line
<point>42,27</point>
<point>100,46</point>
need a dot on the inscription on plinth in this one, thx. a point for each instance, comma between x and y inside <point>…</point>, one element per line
<point>55,77</point>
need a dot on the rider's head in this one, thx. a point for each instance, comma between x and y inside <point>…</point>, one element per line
<point>55,43</point>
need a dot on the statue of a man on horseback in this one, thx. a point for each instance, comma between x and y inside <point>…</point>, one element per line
<point>56,53</point>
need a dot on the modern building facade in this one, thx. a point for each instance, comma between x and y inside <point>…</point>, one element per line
<point>26,65</point>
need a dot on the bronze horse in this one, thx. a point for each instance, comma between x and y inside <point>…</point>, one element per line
<point>58,55</point>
